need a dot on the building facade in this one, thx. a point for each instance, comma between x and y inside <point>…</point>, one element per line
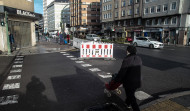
<point>19,19</point>
<point>85,16</point>
<point>168,21</point>
<point>65,19</point>
<point>54,10</point>
<point>45,4</point>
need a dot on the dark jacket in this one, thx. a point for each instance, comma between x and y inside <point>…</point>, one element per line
<point>130,72</point>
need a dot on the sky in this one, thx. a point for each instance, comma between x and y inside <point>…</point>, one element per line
<point>38,6</point>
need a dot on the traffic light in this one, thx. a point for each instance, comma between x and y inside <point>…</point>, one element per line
<point>2,23</point>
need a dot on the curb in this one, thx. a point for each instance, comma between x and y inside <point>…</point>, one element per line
<point>165,97</point>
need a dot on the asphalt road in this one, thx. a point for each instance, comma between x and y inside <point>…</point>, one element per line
<point>55,82</point>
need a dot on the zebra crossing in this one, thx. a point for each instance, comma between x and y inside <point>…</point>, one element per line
<point>140,95</point>
<point>13,82</point>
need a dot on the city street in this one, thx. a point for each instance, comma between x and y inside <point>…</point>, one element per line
<point>58,81</point>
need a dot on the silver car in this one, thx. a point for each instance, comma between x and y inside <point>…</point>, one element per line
<point>93,37</point>
<point>147,42</point>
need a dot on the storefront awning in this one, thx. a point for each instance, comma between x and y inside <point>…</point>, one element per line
<point>19,12</point>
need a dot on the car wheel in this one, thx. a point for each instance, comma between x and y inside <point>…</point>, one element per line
<point>151,46</point>
<point>135,44</point>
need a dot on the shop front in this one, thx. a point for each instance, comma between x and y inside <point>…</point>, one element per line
<point>155,33</point>
<point>21,24</point>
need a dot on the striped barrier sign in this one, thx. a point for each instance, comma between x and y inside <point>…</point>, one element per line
<point>96,50</point>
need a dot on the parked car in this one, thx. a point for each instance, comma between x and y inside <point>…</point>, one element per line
<point>147,42</point>
<point>93,37</point>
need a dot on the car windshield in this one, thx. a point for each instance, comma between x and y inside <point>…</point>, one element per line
<point>152,39</point>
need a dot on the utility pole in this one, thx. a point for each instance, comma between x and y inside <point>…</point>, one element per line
<point>6,25</point>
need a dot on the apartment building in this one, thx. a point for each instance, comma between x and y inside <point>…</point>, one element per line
<point>107,17</point>
<point>167,20</point>
<point>85,16</point>
<point>20,18</point>
<point>54,10</point>
<point>125,19</point>
<point>45,17</point>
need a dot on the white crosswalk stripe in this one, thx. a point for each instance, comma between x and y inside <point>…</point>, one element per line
<point>20,56</point>
<point>15,70</point>
<point>18,62</point>
<point>79,62</point>
<point>105,76</point>
<point>86,65</point>
<point>140,95</point>
<point>17,66</point>
<point>14,77</point>
<point>11,86</point>
<point>66,54</point>
<point>94,69</point>
<point>63,52</point>
<point>74,59</point>
<point>19,59</point>
<point>9,99</point>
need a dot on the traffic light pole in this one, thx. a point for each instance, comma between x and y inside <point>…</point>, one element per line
<point>8,42</point>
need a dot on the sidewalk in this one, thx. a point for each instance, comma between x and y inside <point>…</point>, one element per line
<point>173,102</point>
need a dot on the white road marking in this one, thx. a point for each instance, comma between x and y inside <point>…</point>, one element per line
<point>9,100</point>
<point>66,54</point>
<point>79,62</point>
<point>63,52</point>
<point>17,66</point>
<point>18,62</point>
<point>73,59</point>
<point>15,70</point>
<point>109,73</point>
<point>86,65</point>
<point>94,69</point>
<point>19,59</point>
<point>19,56</point>
<point>11,86</point>
<point>105,76</point>
<point>69,56</point>
<point>140,95</point>
<point>14,77</point>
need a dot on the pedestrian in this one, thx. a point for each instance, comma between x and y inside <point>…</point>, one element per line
<point>12,42</point>
<point>61,38</point>
<point>68,38</point>
<point>130,76</point>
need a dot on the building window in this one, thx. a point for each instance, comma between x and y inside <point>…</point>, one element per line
<point>83,8</point>
<point>152,9</point>
<point>118,24</point>
<point>116,14</point>
<point>123,13</point>
<point>83,20</point>
<point>131,22</point>
<point>158,8</point>
<point>130,12</point>
<point>174,4</point>
<point>166,21</point>
<point>130,2</point>
<point>137,10</point>
<point>165,7</point>
<point>125,23</point>
<point>123,4</point>
<point>93,15</point>
<point>93,9</point>
<point>148,22</point>
<point>93,20</point>
<point>159,21</point>
<point>136,1</point>
<point>139,21</point>
<point>174,20</point>
<point>153,22</point>
<point>116,5</point>
<point>146,1</point>
<point>146,11</point>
